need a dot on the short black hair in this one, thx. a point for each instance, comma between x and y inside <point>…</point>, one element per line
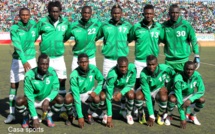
<point>122,59</point>
<point>116,6</point>
<point>85,7</point>
<point>148,6</point>
<point>43,56</point>
<point>188,63</point>
<point>22,9</point>
<point>151,58</point>
<point>82,55</point>
<point>173,6</point>
<point>54,4</point>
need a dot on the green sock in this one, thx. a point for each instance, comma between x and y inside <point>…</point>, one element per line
<point>12,96</point>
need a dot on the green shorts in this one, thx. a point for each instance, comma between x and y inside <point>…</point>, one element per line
<point>177,66</point>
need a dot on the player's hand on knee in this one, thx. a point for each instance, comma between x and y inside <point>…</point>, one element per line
<point>26,66</point>
<point>93,94</point>
<point>45,105</point>
<point>150,122</point>
<point>36,123</point>
<point>183,124</point>
<point>186,103</point>
<point>109,122</point>
<point>81,122</point>
<point>117,97</point>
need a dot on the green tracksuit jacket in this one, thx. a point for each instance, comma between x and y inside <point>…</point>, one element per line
<point>177,38</point>
<point>146,40</point>
<point>151,82</point>
<point>115,80</point>
<point>82,82</point>
<point>52,38</point>
<point>85,36</point>
<point>37,87</point>
<point>115,39</point>
<point>184,86</point>
<point>23,38</point>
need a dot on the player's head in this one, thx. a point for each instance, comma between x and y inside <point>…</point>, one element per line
<point>116,13</point>
<point>83,62</point>
<point>152,63</point>
<point>86,13</point>
<point>24,15</point>
<point>174,12</point>
<point>189,68</point>
<point>43,64</point>
<point>122,65</point>
<point>54,9</point>
<point>148,13</point>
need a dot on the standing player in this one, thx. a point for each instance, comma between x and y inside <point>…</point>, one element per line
<point>146,34</point>
<point>152,80</point>
<point>177,36</point>
<point>84,31</point>
<point>52,29</point>
<point>23,38</point>
<point>41,89</point>
<point>82,81</point>
<point>119,84</point>
<point>115,33</point>
<point>184,94</point>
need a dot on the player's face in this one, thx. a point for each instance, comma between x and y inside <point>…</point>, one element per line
<point>116,14</point>
<point>86,14</point>
<point>151,65</point>
<point>43,65</point>
<point>189,70</point>
<point>123,67</point>
<point>54,13</point>
<point>24,16</point>
<point>149,15</point>
<point>83,63</point>
<point>174,14</point>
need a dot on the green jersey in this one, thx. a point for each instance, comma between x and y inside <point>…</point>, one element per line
<point>184,86</point>
<point>37,87</point>
<point>52,37</point>
<point>85,36</point>
<point>177,38</point>
<point>115,39</point>
<point>151,82</point>
<point>115,80</point>
<point>82,82</point>
<point>23,38</point>
<point>146,40</point>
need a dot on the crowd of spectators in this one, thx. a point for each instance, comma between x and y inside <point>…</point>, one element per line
<point>200,14</point>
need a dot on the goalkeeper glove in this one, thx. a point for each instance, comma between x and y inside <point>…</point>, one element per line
<point>197,61</point>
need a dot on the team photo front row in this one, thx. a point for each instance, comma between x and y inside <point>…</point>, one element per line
<point>158,83</point>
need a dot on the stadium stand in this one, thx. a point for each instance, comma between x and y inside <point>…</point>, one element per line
<point>200,14</point>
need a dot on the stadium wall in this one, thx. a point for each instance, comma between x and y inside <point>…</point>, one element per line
<point>203,39</point>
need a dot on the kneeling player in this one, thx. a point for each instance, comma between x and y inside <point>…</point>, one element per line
<point>119,85</point>
<point>153,78</point>
<point>41,88</point>
<point>82,81</point>
<point>183,93</point>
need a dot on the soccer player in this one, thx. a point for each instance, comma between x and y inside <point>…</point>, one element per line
<point>184,94</point>
<point>152,80</point>
<point>52,29</point>
<point>178,35</point>
<point>119,84</point>
<point>23,38</point>
<point>82,81</point>
<point>146,35</point>
<point>41,89</point>
<point>84,32</point>
<point>115,33</point>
